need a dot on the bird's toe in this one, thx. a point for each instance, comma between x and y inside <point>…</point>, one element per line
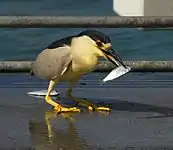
<point>65,109</point>
<point>90,108</point>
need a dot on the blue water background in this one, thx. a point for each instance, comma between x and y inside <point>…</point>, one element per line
<point>25,44</point>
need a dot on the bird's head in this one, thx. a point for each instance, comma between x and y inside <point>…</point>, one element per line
<point>103,43</point>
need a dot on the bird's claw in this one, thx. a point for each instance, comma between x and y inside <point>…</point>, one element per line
<point>90,108</point>
<point>60,109</point>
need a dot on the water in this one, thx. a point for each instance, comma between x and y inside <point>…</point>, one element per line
<point>25,44</point>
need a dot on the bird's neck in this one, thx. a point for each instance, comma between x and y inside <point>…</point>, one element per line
<point>83,57</point>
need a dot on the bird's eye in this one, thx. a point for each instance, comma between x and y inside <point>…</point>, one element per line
<point>99,44</point>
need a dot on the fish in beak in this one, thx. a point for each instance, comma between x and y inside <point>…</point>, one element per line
<point>113,57</point>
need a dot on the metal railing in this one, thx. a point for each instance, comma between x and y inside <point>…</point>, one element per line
<point>84,22</point>
<point>103,66</point>
<point>88,22</point>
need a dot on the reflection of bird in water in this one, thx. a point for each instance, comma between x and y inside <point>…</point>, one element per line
<point>68,59</point>
<point>45,137</point>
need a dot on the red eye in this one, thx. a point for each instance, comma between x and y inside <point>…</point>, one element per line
<point>99,44</point>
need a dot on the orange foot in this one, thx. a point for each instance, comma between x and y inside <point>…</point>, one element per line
<point>91,108</point>
<point>61,109</point>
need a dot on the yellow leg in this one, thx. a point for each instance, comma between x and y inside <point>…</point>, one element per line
<point>69,90</point>
<point>59,108</point>
<point>82,102</point>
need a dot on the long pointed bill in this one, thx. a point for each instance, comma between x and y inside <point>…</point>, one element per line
<point>113,57</point>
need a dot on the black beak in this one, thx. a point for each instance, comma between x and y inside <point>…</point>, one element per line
<point>113,57</point>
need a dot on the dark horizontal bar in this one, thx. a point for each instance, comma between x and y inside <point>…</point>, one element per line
<point>84,22</point>
<point>103,66</point>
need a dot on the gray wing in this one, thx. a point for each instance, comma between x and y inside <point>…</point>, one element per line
<point>51,63</point>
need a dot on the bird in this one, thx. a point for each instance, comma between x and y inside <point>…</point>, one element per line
<point>70,58</point>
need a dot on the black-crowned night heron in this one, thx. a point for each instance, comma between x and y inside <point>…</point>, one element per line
<point>68,59</point>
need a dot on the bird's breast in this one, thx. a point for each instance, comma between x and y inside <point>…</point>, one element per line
<point>84,64</point>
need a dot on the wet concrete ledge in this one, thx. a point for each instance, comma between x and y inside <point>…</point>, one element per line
<point>141,117</point>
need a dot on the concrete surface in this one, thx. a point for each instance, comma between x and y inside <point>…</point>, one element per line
<point>141,117</point>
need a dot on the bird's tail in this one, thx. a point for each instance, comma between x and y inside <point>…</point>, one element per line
<point>31,73</point>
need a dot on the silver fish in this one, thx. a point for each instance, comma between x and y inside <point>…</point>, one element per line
<point>117,72</point>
